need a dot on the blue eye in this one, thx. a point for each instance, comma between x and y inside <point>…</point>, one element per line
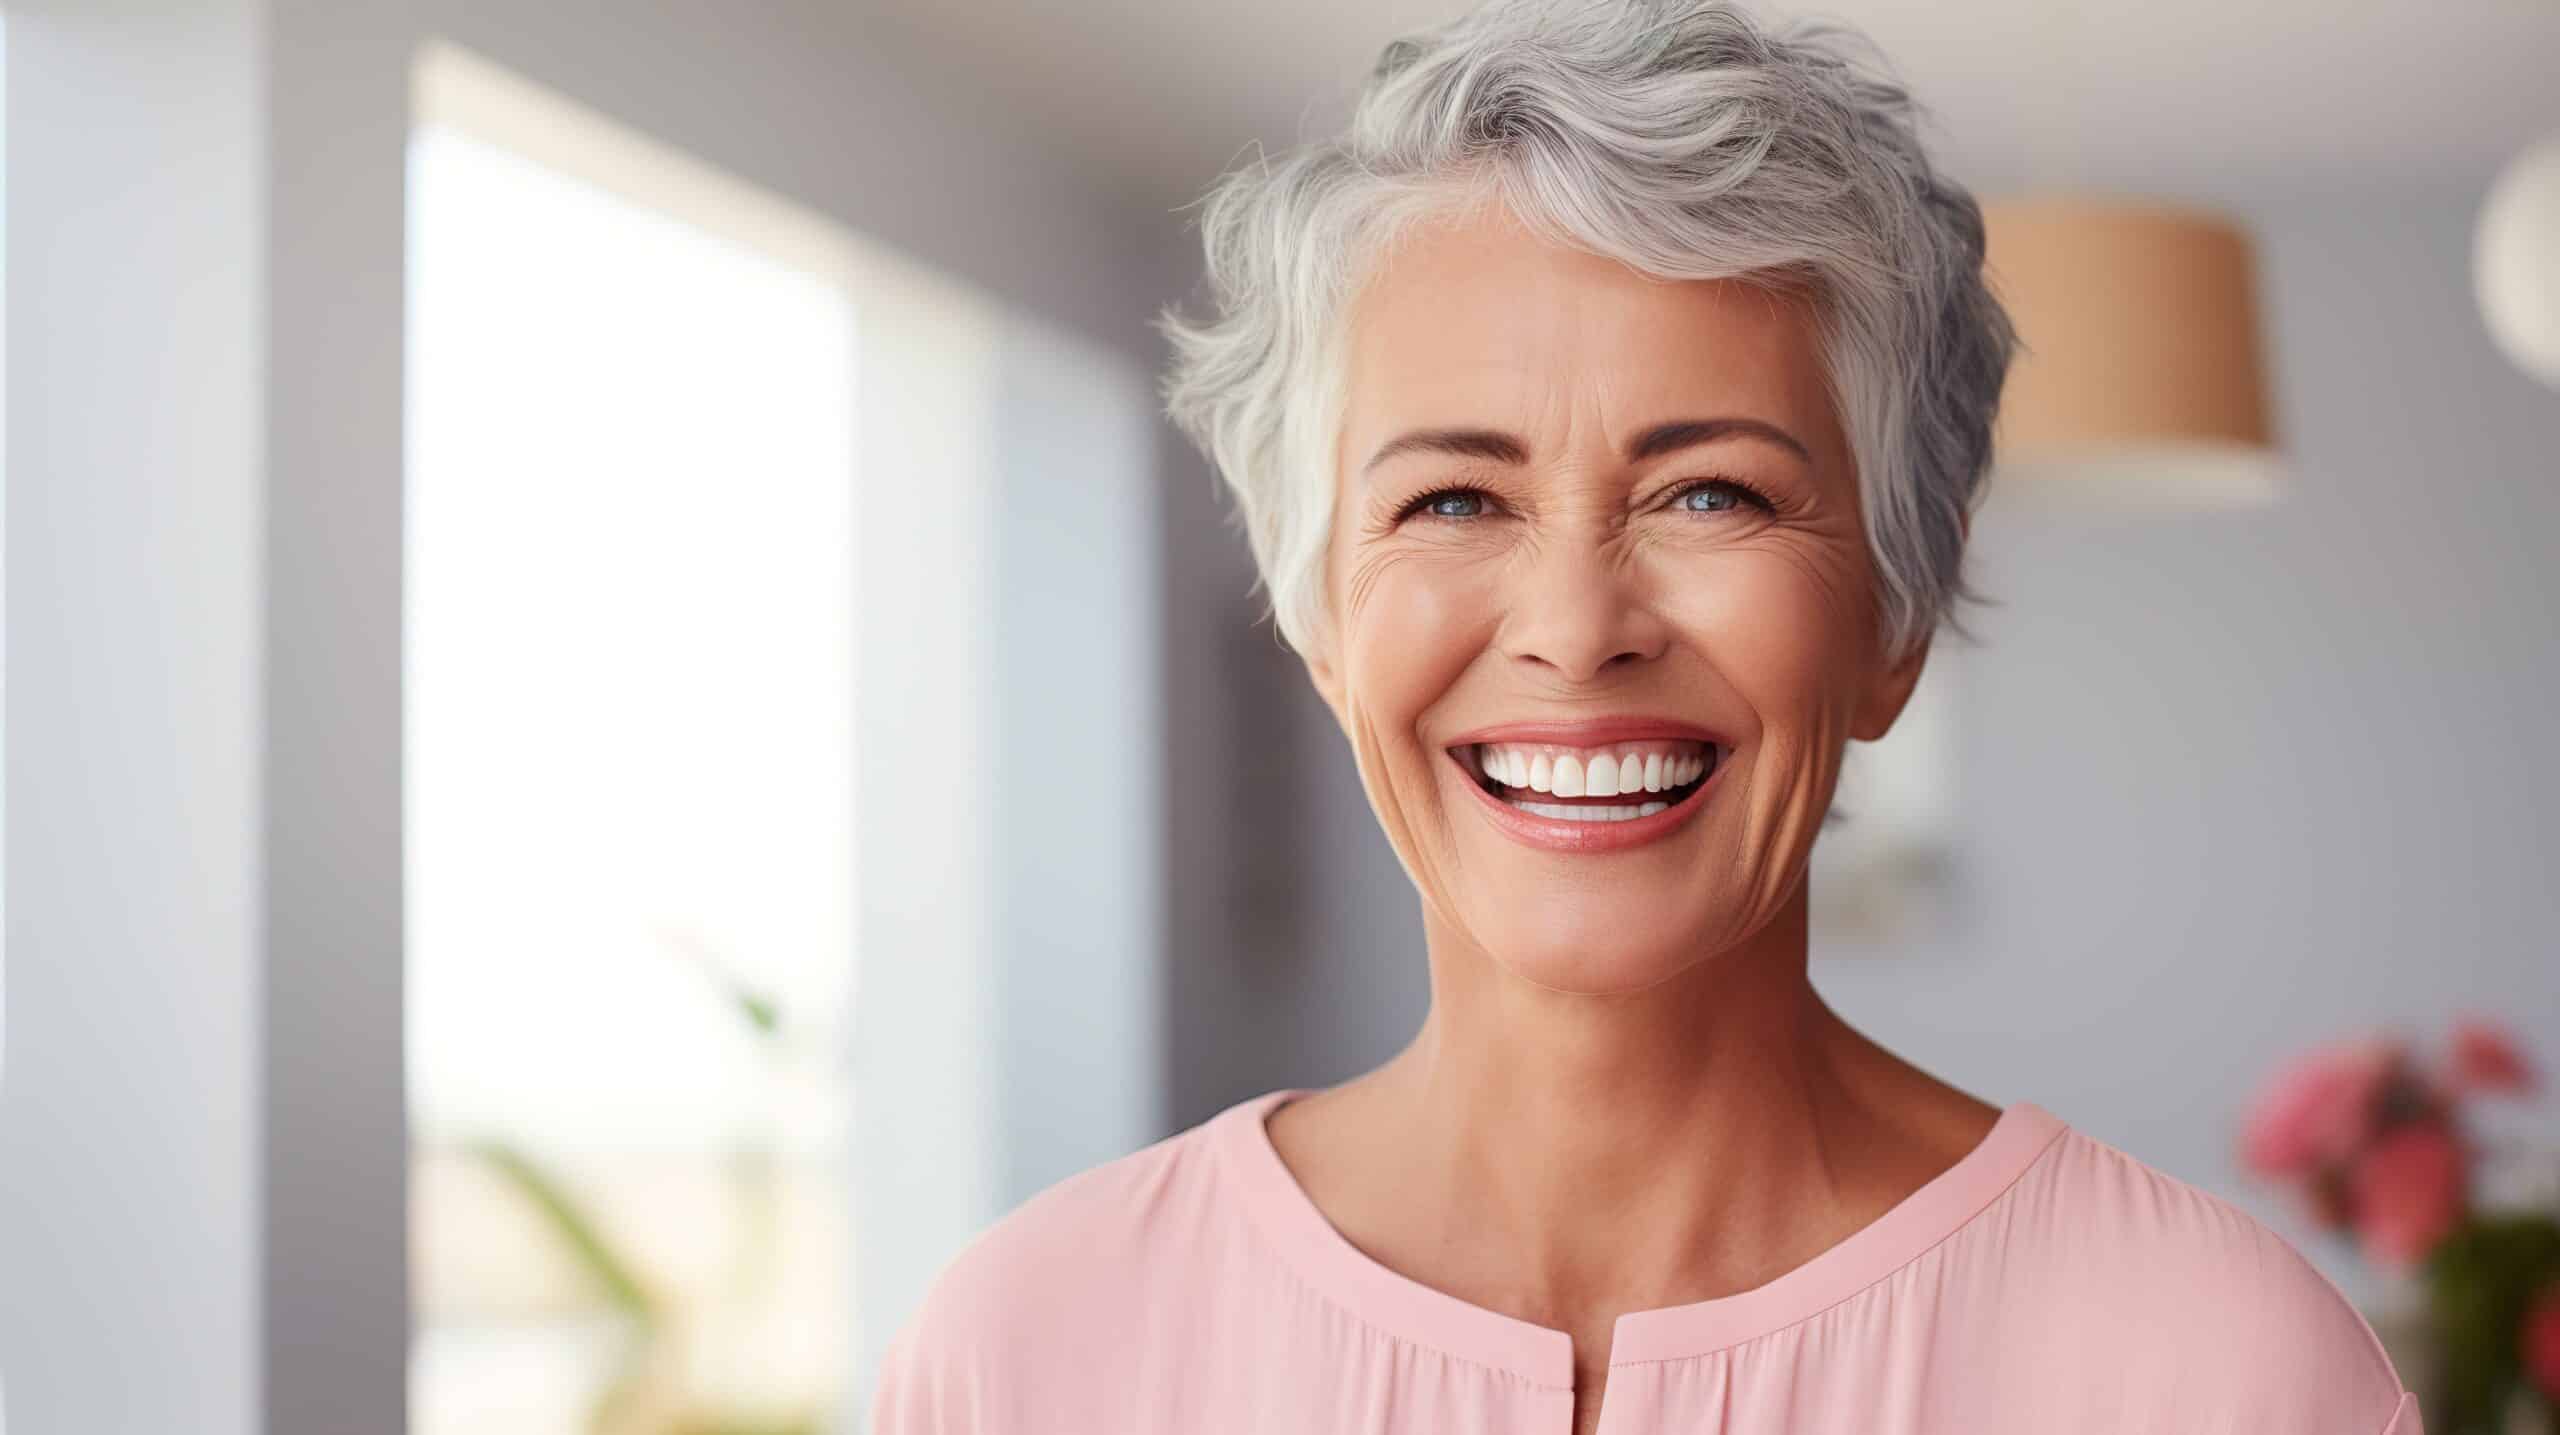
<point>1449,503</point>
<point>1717,496</point>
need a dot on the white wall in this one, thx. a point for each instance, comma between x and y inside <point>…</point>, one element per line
<point>1007,1015</point>
<point>202,1138</point>
<point>2234,784</point>
<point>1078,759</point>
<point>2231,784</point>
<point>129,1111</point>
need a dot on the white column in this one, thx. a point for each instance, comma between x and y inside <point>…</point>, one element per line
<point>129,1108</point>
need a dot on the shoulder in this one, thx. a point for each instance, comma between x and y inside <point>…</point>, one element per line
<point>2194,1300</point>
<point>1107,1222</point>
<point>1044,1299</point>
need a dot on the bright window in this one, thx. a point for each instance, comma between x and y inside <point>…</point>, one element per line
<point>630,817</point>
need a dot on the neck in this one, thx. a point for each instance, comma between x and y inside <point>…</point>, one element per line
<point>1696,1138</point>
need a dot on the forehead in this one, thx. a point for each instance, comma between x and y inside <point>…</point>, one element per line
<point>1481,321</point>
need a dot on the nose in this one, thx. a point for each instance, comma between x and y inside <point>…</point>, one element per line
<point>1576,611</point>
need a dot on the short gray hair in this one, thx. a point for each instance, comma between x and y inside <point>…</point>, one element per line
<point>1679,137</point>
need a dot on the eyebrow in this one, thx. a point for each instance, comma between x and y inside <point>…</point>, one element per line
<point>1654,442</point>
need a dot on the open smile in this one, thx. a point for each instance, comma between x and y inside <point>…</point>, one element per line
<point>1562,789</point>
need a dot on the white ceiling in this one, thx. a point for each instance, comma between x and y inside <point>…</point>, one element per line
<point>2199,98</point>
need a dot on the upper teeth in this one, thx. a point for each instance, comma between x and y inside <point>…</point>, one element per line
<point>1593,771</point>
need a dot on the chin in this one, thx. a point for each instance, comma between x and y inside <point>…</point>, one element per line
<point>1591,948</point>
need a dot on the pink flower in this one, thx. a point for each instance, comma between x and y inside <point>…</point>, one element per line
<point>2318,1110</point>
<point>2542,1341</point>
<point>2486,1058</point>
<point>2409,1192</point>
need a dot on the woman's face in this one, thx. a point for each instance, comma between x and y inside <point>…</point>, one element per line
<point>1594,531</point>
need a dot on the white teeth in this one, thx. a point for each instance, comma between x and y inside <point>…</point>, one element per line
<point>1594,814</point>
<point>1617,770</point>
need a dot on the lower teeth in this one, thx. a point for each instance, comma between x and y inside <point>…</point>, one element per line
<point>1592,814</point>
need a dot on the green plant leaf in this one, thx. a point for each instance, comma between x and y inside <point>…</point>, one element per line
<point>570,1221</point>
<point>2480,1281</point>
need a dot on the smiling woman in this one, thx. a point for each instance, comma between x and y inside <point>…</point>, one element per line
<point>1605,410</point>
<point>1665,543</point>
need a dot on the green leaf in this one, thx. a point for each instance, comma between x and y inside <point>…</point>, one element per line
<point>2480,1281</point>
<point>569,1221</point>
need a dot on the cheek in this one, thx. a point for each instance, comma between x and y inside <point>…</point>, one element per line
<point>1409,630</point>
<point>1778,621</point>
<point>1411,623</point>
<point>1771,623</point>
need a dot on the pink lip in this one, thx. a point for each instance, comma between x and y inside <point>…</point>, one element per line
<point>1593,732</point>
<point>1556,834</point>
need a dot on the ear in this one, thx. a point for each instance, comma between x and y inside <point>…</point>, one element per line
<point>1320,671</point>
<point>1888,694</point>
<point>1892,689</point>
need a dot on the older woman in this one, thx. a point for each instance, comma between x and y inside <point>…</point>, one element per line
<point>1605,409</point>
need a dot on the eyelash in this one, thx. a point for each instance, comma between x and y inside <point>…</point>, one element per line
<point>1678,492</point>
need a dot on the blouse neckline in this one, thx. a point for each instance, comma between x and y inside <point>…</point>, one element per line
<point>1541,1355</point>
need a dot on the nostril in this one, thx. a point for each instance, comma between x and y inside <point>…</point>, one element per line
<point>1564,664</point>
<point>1580,646</point>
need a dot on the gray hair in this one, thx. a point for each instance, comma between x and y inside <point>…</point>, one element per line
<point>1679,137</point>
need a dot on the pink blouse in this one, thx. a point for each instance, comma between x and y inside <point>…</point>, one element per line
<point>2045,1283</point>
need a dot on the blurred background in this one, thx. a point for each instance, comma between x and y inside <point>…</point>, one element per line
<point>623,721</point>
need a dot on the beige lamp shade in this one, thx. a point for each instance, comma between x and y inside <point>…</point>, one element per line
<point>2516,261</point>
<point>2139,378</point>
